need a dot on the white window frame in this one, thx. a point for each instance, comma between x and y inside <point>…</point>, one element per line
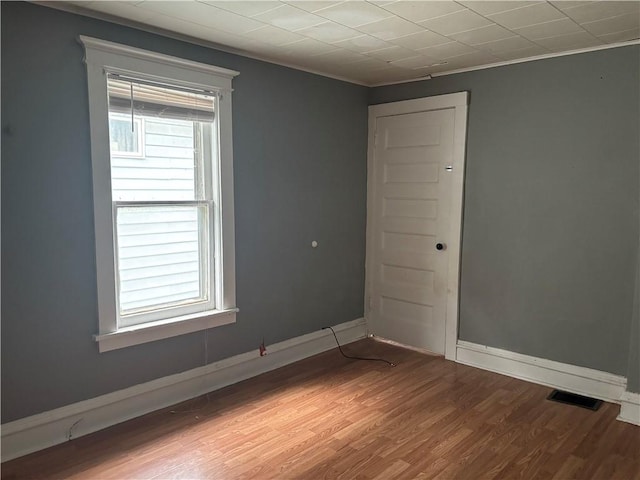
<point>102,57</point>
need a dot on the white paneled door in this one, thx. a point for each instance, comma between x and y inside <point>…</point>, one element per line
<point>410,218</point>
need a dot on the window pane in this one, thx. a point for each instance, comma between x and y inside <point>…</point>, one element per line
<point>169,165</point>
<point>124,139</point>
<point>162,256</point>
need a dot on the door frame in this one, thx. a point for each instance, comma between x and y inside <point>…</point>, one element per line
<point>459,102</point>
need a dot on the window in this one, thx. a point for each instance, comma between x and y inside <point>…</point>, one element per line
<point>163,194</point>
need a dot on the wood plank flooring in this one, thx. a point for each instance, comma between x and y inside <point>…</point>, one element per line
<point>330,417</point>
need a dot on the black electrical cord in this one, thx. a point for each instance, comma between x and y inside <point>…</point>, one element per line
<point>357,358</point>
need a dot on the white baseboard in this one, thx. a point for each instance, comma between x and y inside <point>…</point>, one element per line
<point>630,409</point>
<point>571,378</point>
<point>46,429</point>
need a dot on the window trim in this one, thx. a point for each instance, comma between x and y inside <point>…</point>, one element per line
<point>101,57</point>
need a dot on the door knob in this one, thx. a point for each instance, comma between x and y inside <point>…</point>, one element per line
<point>440,246</point>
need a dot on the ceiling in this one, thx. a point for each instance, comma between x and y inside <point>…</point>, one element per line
<point>380,42</point>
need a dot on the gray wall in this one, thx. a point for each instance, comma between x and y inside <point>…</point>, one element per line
<point>550,232</point>
<point>550,229</point>
<point>300,175</point>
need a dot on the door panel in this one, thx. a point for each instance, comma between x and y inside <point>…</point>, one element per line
<point>411,192</point>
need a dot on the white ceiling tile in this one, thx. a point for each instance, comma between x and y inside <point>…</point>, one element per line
<point>166,8</point>
<point>489,33</point>
<point>522,53</point>
<point>422,39</point>
<point>593,11</point>
<point>391,40</point>
<point>392,53</point>
<point>383,3</point>
<point>337,57</point>
<point>363,43</point>
<point>246,8</point>
<point>273,35</point>
<point>390,28</point>
<point>124,10</point>
<point>563,5</point>
<point>456,22</point>
<point>613,24</point>
<point>311,6</point>
<point>289,18</point>
<point>271,51</point>
<point>177,25</point>
<point>419,61</point>
<point>529,15</point>
<point>490,7</point>
<point>416,11</point>
<point>506,45</point>
<point>443,66</point>
<point>309,46</point>
<point>624,36</point>
<point>329,32</point>
<point>354,14</point>
<point>204,14</point>
<point>549,29</point>
<point>368,65</point>
<point>200,31</point>
<point>446,50</point>
<point>570,41</point>
<point>471,60</point>
<point>226,38</point>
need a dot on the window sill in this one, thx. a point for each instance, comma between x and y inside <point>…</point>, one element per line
<point>149,332</point>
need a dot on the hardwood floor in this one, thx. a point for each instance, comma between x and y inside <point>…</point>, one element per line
<point>330,417</point>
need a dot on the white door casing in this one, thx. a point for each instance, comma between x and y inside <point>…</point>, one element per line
<point>414,200</point>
